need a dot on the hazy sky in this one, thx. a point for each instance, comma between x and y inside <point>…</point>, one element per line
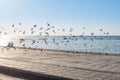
<point>92,14</point>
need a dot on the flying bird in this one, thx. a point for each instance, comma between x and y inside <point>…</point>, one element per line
<point>47,29</point>
<point>54,31</point>
<point>83,28</point>
<point>20,23</point>
<point>48,24</point>
<point>41,28</point>
<point>14,31</point>
<point>13,25</point>
<point>47,33</point>
<point>5,33</point>
<point>107,33</point>
<point>34,26</point>
<point>0,32</point>
<point>92,34</point>
<point>23,32</point>
<point>53,40</point>
<point>101,30</point>
<point>45,41</point>
<point>71,30</point>
<point>63,30</point>
<point>52,27</point>
<point>31,29</point>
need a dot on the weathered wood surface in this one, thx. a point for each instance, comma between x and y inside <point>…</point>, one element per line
<point>63,64</point>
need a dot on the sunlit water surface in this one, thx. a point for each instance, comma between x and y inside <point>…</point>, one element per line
<point>103,44</point>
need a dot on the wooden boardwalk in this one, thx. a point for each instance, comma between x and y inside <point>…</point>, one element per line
<point>78,66</point>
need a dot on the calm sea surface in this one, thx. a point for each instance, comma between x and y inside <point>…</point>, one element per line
<point>103,44</point>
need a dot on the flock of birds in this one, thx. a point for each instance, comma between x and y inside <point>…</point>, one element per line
<point>44,33</point>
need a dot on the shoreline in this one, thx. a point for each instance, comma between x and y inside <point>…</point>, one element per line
<point>68,51</point>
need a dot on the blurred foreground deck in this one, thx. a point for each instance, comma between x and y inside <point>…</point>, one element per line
<point>71,65</point>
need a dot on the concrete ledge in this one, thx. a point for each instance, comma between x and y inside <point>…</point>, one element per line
<point>28,74</point>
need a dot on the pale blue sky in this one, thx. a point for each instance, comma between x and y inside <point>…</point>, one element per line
<point>92,14</point>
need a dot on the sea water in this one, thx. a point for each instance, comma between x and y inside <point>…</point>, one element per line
<point>102,44</point>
